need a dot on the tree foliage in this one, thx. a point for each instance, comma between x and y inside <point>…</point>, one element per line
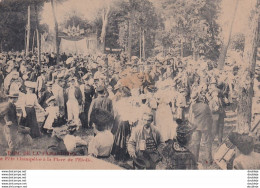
<point>193,22</point>
<point>144,19</point>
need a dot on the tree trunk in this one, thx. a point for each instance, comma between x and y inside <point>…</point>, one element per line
<point>1,46</point>
<point>38,45</point>
<point>246,80</point>
<point>130,34</point>
<point>37,34</point>
<point>143,45</point>
<point>28,31</point>
<point>225,46</point>
<point>140,44</point>
<point>33,42</point>
<point>104,29</point>
<point>56,29</point>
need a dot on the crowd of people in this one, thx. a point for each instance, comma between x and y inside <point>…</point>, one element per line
<point>159,110</point>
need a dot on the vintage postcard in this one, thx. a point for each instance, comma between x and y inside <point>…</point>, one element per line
<point>129,84</point>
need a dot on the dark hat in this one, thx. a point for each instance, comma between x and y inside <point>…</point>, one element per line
<point>183,127</point>
<point>101,118</point>
<point>13,95</point>
<point>243,142</point>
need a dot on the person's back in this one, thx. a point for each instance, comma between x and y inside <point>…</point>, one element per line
<point>11,114</point>
<point>244,162</point>
<point>178,157</point>
<point>101,144</point>
<point>103,102</point>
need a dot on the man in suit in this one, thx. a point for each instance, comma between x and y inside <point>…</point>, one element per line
<point>200,117</point>
<point>74,102</point>
<point>11,123</point>
<point>146,144</point>
<point>58,92</point>
<point>46,95</point>
<point>102,101</point>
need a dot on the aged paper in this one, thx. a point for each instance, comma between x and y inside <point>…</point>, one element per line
<point>132,84</point>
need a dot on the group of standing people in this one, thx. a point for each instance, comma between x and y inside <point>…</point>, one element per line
<point>161,109</point>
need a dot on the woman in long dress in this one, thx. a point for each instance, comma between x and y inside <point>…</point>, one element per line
<point>28,109</point>
<point>164,119</point>
<point>121,128</point>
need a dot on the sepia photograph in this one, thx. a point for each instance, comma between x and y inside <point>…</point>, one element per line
<point>130,84</point>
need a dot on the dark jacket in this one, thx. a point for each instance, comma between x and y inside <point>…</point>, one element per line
<point>202,117</point>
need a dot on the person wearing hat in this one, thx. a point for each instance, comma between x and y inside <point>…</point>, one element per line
<point>11,121</point>
<point>14,75</point>
<point>88,93</point>
<point>99,72</point>
<point>74,144</point>
<point>176,154</point>
<point>15,84</point>
<point>102,102</point>
<point>218,114</point>
<point>46,95</point>
<point>52,113</point>
<point>145,144</point>
<point>101,145</point>
<point>200,117</point>
<point>74,102</point>
<point>246,158</point>
<point>58,91</point>
<point>41,87</point>
<point>30,102</point>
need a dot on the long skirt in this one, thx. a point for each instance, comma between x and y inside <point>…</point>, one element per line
<point>84,116</point>
<point>165,123</point>
<point>31,122</point>
<point>119,149</point>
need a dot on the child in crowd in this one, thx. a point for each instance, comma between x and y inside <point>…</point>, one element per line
<point>52,112</point>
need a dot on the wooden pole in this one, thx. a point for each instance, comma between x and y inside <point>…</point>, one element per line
<point>37,34</point>
<point>56,30</point>
<point>25,39</point>
<point>28,31</point>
